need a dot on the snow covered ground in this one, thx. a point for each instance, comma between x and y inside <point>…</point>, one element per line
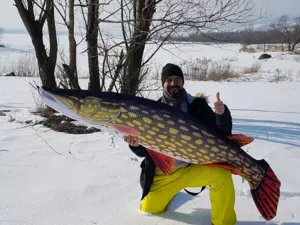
<point>283,66</point>
<point>52,178</point>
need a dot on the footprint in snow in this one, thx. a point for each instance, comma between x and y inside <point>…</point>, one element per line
<point>133,159</point>
<point>3,150</point>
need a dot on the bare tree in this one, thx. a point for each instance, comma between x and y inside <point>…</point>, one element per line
<point>65,8</point>
<point>283,28</point>
<point>92,44</point>
<point>296,32</point>
<point>154,21</point>
<point>34,15</point>
<point>143,15</point>
<point>99,72</point>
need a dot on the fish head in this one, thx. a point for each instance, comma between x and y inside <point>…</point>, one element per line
<point>92,110</point>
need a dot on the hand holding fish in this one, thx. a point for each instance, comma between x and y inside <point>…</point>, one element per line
<point>133,141</point>
<point>219,106</point>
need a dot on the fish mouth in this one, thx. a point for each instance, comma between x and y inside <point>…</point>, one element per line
<point>53,102</point>
<point>72,107</point>
<point>46,95</point>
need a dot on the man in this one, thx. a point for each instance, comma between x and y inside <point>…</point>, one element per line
<point>158,188</point>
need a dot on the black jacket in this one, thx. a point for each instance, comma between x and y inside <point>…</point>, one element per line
<point>198,109</point>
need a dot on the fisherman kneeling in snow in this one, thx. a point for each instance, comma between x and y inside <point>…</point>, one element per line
<point>158,188</point>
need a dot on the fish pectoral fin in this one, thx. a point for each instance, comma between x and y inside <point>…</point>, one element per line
<point>232,169</point>
<point>266,195</point>
<point>164,163</point>
<point>240,139</point>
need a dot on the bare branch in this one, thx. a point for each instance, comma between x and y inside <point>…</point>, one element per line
<point>63,14</point>
<point>123,26</point>
<point>149,21</point>
<point>83,15</point>
<point>113,13</point>
<point>43,13</point>
<point>87,5</point>
<point>34,27</point>
<point>43,7</point>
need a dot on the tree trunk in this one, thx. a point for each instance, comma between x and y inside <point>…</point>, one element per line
<point>289,43</point>
<point>34,27</point>
<point>53,43</point>
<point>294,45</point>
<point>92,45</point>
<point>144,12</point>
<point>117,72</point>
<point>72,73</point>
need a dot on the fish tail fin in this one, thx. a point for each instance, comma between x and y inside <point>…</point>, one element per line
<point>266,195</point>
<point>164,163</point>
<point>240,139</point>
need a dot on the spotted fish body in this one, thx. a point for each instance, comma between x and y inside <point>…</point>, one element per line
<point>168,131</point>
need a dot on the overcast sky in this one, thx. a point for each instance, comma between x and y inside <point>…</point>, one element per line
<point>10,18</point>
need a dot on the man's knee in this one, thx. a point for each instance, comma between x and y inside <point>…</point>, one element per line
<point>222,176</point>
<point>155,203</point>
<point>152,208</point>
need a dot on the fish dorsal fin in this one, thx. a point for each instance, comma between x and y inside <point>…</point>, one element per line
<point>240,139</point>
<point>163,162</point>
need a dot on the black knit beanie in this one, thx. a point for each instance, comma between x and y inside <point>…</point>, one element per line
<point>171,70</point>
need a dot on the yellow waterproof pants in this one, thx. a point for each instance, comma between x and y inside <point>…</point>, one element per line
<point>222,193</point>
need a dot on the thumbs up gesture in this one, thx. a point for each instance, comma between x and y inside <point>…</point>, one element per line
<point>219,106</point>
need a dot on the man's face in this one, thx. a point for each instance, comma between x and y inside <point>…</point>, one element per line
<point>173,85</point>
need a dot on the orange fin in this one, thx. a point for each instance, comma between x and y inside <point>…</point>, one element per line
<point>266,196</point>
<point>240,139</point>
<point>125,130</point>
<point>163,162</point>
<point>233,170</point>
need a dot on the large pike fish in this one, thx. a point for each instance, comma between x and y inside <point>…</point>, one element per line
<point>170,134</point>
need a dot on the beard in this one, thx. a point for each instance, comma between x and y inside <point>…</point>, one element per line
<point>174,91</point>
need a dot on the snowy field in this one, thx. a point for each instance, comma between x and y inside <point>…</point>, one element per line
<point>52,178</point>
<point>283,66</point>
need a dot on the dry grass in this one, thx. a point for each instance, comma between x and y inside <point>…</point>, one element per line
<point>226,76</point>
<point>272,47</point>
<point>296,58</point>
<point>232,59</point>
<point>23,66</point>
<point>276,48</point>
<point>64,124</point>
<point>245,48</point>
<point>254,68</point>
<point>280,77</point>
<point>220,71</point>
<point>206,70</point>
<point>61,123</point>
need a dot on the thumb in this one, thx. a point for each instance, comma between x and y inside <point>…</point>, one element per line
<point>218,97</point>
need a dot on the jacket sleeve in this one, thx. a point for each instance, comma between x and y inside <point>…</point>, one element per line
<point>223,123</point>
<point>140,151</point>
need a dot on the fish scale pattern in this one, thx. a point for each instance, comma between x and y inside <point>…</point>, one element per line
<point>164,129</point>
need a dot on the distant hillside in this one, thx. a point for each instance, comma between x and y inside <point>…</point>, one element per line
<point>24,31</point>
<point>283,32</point>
